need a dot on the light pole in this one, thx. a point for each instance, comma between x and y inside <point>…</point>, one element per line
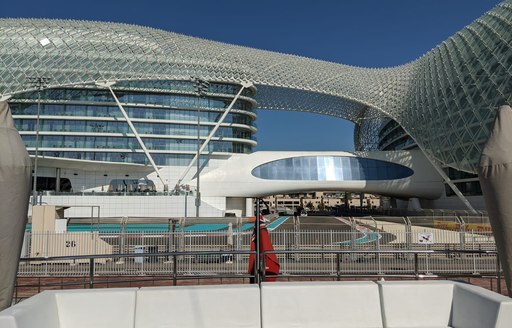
<point>39,83</point>
<point>201,89</point>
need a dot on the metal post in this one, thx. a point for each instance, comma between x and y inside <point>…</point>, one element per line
<point>172,230</point>
<point>34,182</point>
<point>198,161</point>
<point>408,237</point>
<point>174,270</point>
<point>122,236</point>
<point>257,243</point>
<point>40,83</point>
<point>473,255</point>
<point>201,88</point>
<point>498,273</point>
<point>296,238</point>
<point>338,266</point>
<point>331,243</point>
<point>91,272</point>
<point>378,254</point>
<point>353,237</point>
<point>427,258</point>
<point>416,269</point>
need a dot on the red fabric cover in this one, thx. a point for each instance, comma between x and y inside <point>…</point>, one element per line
<point>271,263</point>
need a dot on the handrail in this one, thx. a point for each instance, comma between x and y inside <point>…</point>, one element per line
<point>103,256</point>
<point>416,274</point>
<point>173,273</point>
<point>235,252</point>
<point>393,251</point>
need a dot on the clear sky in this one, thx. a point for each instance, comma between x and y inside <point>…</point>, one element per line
<point>369,33</point>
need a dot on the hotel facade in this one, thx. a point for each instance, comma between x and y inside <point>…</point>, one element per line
<point>119,110</point>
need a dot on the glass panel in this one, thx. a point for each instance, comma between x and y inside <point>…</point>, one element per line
<point>331,168</point>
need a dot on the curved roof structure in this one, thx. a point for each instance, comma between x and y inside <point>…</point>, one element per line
<point>446,99</point>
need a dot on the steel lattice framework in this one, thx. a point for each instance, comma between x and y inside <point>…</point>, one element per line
<point>446,100</point>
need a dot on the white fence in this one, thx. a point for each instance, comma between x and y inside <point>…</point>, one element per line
<point>380,238</point>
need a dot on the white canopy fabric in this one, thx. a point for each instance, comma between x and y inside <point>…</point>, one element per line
<point>495,173</point>
<point>15,175</point>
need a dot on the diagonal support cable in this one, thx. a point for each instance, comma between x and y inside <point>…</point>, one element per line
<point>134,131</point>
<point>445,177</point>
<point>245,85</point>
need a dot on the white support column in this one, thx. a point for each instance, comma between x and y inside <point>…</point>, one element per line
<point>134,131</point>
<point>249,207</point>
<point>215,128</point>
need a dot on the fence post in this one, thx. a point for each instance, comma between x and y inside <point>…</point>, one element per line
<point>498,273</point>
<point>462,236</point>
<point>296,236</point>
<point>473,255</point>
<point>331,243</point>
<point>91,272</point>
<point>47,251</point>
<point>353,236</point>
<point>378,253</point>
<point>174,270</point>
<point>171,240</point>
<point>408,236</point>
<point>416,269</point>
<point>338,267</point>
<point>257,259</point>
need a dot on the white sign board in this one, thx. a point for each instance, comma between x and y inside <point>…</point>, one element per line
<point>425,237</point>
<point>61,225</point>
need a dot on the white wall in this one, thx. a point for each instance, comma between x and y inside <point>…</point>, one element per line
<point>138,206</point>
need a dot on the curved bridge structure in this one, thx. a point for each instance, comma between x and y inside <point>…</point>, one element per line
<point>446,100</point>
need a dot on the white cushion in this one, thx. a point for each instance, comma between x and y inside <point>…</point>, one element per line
<point>408,304</point>
<point>7,321</point>
<point>475,307</point>
<point>320,304</point>
<point>98,308</point>
<point>38,311</point>
<point>198,306</point>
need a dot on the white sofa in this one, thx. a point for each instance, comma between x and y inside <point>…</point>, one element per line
<point>410,304</point>
<point>198,306</point>
<point>183,306</point>
<point>394,304</point>
<point>320,304</point>
<point>99,308</point>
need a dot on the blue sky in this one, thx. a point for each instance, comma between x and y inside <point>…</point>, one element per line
<point>367,33</point>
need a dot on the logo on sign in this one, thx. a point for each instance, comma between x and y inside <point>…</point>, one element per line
<point>425,238</point>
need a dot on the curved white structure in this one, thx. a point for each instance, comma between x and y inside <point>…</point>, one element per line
<point>401,174</point>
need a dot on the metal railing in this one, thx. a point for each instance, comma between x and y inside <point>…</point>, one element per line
<point>335,264</point>
<point>175,260</point>
<point>414,264</point>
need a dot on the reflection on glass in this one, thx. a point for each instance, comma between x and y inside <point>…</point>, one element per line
<point>331,168</point>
